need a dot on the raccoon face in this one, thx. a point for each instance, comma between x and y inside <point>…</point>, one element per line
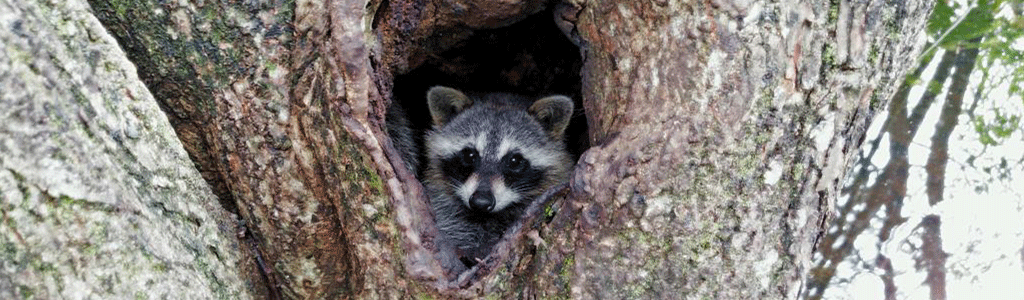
<point>490,183</point>
<point>495,153</point>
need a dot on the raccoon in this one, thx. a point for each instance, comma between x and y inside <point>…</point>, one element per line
<point>487,158</point>
<point>403,137</point>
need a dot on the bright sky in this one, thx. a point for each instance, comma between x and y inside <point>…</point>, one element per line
<point>982,230</point>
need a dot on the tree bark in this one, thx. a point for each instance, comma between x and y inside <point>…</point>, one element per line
<point>723,131</point>
<point>720,133</point>
<point>888,189</point>
<point>271,98</point>
<point>98,199</point>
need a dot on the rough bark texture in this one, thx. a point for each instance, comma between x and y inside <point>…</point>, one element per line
<point>98,199</point>
<point>880,191</point>
<point>272,101</point>
<point>720,130</point>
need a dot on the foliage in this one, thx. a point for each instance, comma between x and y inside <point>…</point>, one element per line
<point>1000,26</point>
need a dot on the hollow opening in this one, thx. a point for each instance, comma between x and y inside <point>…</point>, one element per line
<point>531,57</point>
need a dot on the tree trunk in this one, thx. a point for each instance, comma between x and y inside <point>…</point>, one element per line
<point>97,197</point>
<point>720,132</point>
<point>723,131</point>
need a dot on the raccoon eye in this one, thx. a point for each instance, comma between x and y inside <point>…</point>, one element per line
<point>516,163</point>
<point>468,157</point>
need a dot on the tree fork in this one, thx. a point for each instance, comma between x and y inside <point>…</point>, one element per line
<point>720,131</point>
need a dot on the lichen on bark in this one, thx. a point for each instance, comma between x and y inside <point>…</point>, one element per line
<point>689,105</point>
<point>97,196</point>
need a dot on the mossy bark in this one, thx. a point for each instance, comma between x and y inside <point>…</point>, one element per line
<point>98,199</point>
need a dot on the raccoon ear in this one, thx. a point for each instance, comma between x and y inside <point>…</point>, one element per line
<point>553,112</point>
<point>445,103</point>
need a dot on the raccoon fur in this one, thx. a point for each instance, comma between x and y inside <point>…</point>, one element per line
<point>487,158</point>
<point>403,137</point>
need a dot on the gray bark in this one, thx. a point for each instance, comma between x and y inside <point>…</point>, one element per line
<point>98,199</point>
<point>720,134</point>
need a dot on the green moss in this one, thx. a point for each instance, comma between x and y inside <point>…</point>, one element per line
<point>64,200</point>
<point>90,249</point>
<point>7,251</point>
<point>121,8</point>
<point>833,13</point>
<point>501,282</point>
<point>568,264</point>
<point>549,211</point>
<point>26,292</point>
<point>828,56</point>
<point>892,27</point>
<point>876,102</point>
<point>748,164</point>
<point>638,290</point>
<point>767,98</point>
<point>873,54</point>
<point>375,182</point>
<point>41,266</point>
<point>797,171</point>
<point>285,12</point>
<point>159,267</point>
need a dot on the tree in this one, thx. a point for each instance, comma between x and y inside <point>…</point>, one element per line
<point>719,133</point>
<point>97,197</point>
<point>973,38</point>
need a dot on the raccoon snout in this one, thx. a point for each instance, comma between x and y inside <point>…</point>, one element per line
<point>482,200</point>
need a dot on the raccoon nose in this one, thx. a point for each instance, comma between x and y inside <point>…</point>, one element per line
<point>482,200</point>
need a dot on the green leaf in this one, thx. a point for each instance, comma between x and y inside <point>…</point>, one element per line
<point>978,22</point>
<point>941,19</point>
<point>1005,125</point>
<point>1001,127</point>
